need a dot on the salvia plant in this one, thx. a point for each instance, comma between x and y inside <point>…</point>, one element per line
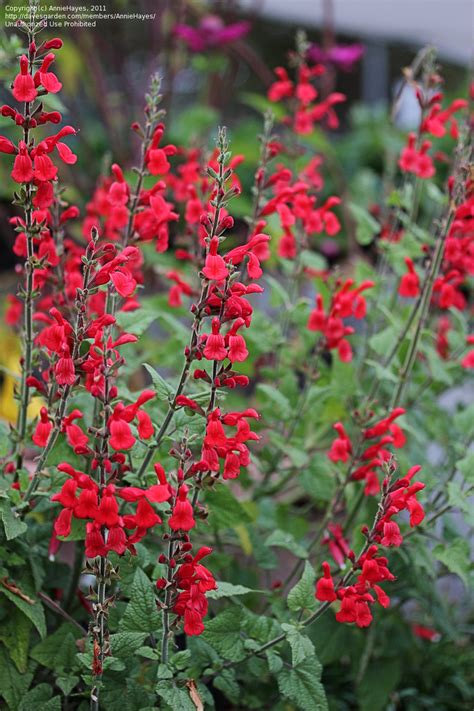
<point>194,532</point>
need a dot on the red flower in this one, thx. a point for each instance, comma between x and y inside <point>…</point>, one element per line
<point>24,85</point>
<point>214,267</point>
<point>215,345</point>
<point>121,435</point>
<point>95,544</point>
<point>182,518</point>
<point>64,370</point>
<point>43,429</point>
<point>410,282</point>
<point>325,586</point>
<point>47,79</point>
<point>22,167</point>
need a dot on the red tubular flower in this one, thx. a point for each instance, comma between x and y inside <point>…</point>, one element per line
<point>43,429</point>
<point>107,513</point>
<point>391,534</point>
<point>95,544</point>
<point>215,345</point>
<point>23,166</point>
<point>341,447</point>
<point>62,525</point>
<point>182,518</point>
<point>47,79</point>
<point>145,516</point>
<point>24,86</point>
<point>237,347</point>
<point>325,586</point>
<point>44,168</point>
<point>6,146</point>
<point>64,370</point>
<point>410,282</point>
<point>121,435</point>
<point>214,267</point>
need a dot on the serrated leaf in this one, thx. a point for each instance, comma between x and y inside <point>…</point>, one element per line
<point>58,650</point>
<point>40,697</point>
<point>223,633</point>
<point>124,644</point>
<point>228,590</point>
<point>301,646</point>
<point>163,389</point>
<point>225,511</point>
<point>455,556</point>
<point>13,684</point>
<point>12,523</point>
<point>301,596</point>
<point>141,614</point>
<point>67,683</point>
<point>301,685</point>
<point>34,611</point>
<point>174,696</point>
<point>226,682</point>
<point>459,500</point>
<point>15,635</point>
<point>137,322</point>
<point>283,539</point>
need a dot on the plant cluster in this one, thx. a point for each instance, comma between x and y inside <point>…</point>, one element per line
<point>123,522</point>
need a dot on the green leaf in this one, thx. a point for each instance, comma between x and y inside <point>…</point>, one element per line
<point>366,226</point>
<point>301,685</point>
<point>34,611</point>
<point>4,438</point>
<point>301,646</point>
<point>224,509</point>
<point>174,697</point>
<point>466,467</point>
<point>301,596</point>
<point>124,644</point>
<point>226,682</point>
<point>67,683</point>
<point>13,685</point>
<point>455,556</point>
<point>223,633</point>
<point>12,523</point>
<point>58,650</point>
<point>141,614</point>
<point>312,260</point>
<point>137,322</point>
<point>460,500</point>
<point>277,398</point>
<point>283,539</point>
<point>380,679</point>
<point>228,590</point>
<point>15,634</point>
<point>163,389</point>
<point>40,697</point>
<point>382,341</point>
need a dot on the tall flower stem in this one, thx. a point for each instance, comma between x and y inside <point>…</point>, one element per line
<point>221,178</point>
<point>27,291</point>
<point>79,332</point>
